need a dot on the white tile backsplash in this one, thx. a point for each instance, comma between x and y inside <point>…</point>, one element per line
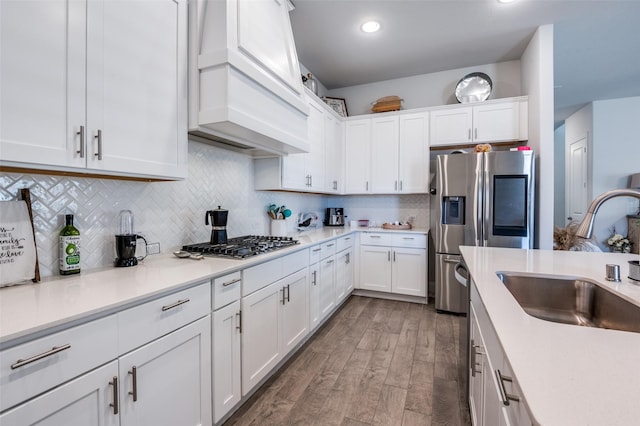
<point>172,213</point>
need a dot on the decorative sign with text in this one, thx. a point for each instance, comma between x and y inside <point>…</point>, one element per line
<point>17,246</point>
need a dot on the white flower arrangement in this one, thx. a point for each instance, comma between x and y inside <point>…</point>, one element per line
<point>618,243</point>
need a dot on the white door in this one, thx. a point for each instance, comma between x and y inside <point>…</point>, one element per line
<point>314,295</point>
<point>375,268</point>
<point>496,122</point>
<point>327,289</point>
<point>384,155</point>
<point>413,153</point>
<point>409,271</point>
<point>450,126</point>
<point>261,347</point>
<point>295,311</point>
<point>87,400</point>
<point>226,359</point>
<point>135,112</point>
<point>168,381</point>
<point>42,81</point>
<point>357,159</point>
<point>577,180</point>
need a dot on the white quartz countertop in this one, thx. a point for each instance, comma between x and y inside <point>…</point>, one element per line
<point>569,375</point>
<point>29,310</point>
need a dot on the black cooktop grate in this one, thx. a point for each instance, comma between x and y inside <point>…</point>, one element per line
<point>242,247</point>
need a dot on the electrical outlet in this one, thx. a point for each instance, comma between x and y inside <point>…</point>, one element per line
<point>153,248</point>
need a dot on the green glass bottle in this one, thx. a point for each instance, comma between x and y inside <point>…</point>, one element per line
<point>69,244</point>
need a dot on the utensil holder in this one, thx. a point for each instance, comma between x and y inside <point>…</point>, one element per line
<point>278,228</point>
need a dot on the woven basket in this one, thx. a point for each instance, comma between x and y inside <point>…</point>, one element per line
<point>388,103</point>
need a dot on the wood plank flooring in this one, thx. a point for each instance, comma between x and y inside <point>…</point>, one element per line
<point>376,362</point>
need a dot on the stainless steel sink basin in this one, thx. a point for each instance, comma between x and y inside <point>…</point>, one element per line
<point>571,300</point>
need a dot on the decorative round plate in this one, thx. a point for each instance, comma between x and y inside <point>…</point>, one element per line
<point>474,87</point>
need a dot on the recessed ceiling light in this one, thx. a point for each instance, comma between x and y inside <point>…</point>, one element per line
<point>370,26</point>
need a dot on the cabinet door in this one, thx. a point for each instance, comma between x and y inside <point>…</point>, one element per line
<point>413,154</point>
<point>294,172</point>
<point>327,286</point>
<point>83,401</point>
<point>168,381</point>
<point>344,275</point>
<point>333,153</point>
<point>42,81</point>
<point>261,347</point>
<point>384,155</point>
<point>357,166</point>
<point>226,359</point>
<point>315,158</point>
<point>409,271</point>
<point>136,77</point>
<point>375,268</point>
<point>451,126</point>
<point>496,122</point>
<point>295,311</point>
<point>314,295</point>
<point>476,372</point>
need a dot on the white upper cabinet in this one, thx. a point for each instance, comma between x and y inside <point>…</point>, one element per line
<point>87,88</point>
<point>384,154</point>
<point>490,121</point>
<point>357,157</point>
<point>333,141</point>
<point>245,86</point>
<point>413,154</point>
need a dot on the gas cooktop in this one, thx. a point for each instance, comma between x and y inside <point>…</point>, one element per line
<point>242,247</point>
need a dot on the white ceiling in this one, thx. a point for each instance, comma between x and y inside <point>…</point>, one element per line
<point>596,43</point>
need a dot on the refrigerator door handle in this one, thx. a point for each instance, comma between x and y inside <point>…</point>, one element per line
<point>461,278</point>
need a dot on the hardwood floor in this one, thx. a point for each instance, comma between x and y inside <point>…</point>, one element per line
<point>376,362</point>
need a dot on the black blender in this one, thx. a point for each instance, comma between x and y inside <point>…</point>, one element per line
<point>218,225</point>
<point>126,241</point>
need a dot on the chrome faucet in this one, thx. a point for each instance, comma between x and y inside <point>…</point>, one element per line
<point>585,229</point>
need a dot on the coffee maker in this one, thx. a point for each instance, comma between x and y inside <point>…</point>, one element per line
<point>127,241</point>
<point>334,216</point>
<point>218,225</point>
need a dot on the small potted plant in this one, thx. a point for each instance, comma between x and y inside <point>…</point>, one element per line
<point>618,244</point>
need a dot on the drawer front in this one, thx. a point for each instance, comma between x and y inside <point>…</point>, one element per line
<point>328,249</point>
<point>31,368</point>
<point>376,239</point>
<point>410,240</point>
<point>144,323</point>
<point>345,242</point>
<point>226,289</point>
<point>262,275</point>
<point>314,254</point>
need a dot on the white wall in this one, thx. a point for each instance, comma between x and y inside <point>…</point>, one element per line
<point>430,89</point>
<point>559,215</point>
<point>616,156</point>
<point>537,83</point>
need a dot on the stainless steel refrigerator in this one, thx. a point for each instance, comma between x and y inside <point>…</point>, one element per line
<point>480,199</point>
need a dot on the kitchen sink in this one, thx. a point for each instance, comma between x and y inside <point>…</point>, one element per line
<point>571,300</point>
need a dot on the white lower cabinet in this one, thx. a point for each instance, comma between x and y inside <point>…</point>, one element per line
<point>344,274</point>
<point>314,288</point>
<point>395,263</point>
<point>86,400</point>
<point>494,395</point>
<point>226,323</point>
<point>275,319</point>
<point>167,382</point>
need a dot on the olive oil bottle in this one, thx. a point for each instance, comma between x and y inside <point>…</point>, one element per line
<point>69,245</point>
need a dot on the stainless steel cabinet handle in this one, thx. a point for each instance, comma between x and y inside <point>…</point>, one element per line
<point>394,255</point>
<point>454,261</point>
<point>506,397</point>
<point>114,383</point>
<point>54,350</point>
<point>134,384</point>
<point>239,324</point>
<point>396,185</point>
<point>81,133</point>
<point>316,250</point>
<point>329,261</point>
<point>469,137</point>
<point>228,283</point>
<point>310,180</point>
<point>475,133</point>
<point>288,293</point>
<point>374,236</point>
<point>283,298</point>
<point>388,256</point>
<point>330,245</point>
<point>367,186</point>
<point>408,238</point>
<point>98,136</point>
<point>347,238</point>
<point>400,185</point>
<point>173,305</point>
<point>348,260</point>
<point>335,184</point>
<point>314,274</point>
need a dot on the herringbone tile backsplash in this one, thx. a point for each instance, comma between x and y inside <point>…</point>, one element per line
<point>172,213</point>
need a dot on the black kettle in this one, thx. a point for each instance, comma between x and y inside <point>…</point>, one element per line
<point>218,220</point>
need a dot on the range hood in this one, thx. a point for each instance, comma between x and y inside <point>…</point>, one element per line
<point>245,90</point>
